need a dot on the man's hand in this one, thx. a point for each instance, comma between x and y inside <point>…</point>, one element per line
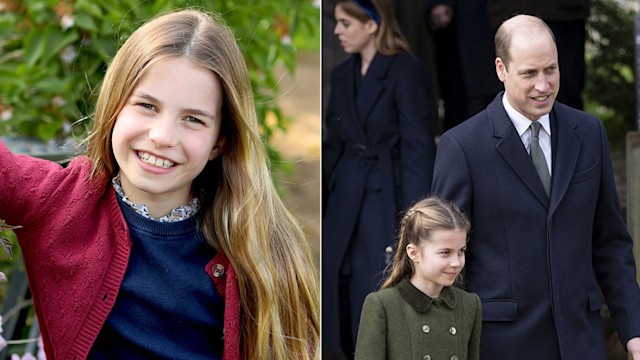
<point>633,347</point>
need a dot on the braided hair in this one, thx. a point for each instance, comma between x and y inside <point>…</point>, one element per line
<point>416,227</point>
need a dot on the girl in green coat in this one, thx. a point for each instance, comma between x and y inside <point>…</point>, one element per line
<point>417,314</point>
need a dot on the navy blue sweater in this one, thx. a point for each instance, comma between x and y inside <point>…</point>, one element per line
<point>167,307</point>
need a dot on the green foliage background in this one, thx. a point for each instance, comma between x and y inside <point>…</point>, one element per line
<point>53,54</point>
<point>610,81</point>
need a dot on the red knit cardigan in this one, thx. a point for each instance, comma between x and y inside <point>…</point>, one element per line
<point>76,245</point>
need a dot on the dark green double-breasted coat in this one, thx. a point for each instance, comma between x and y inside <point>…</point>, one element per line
<point>403,323</point>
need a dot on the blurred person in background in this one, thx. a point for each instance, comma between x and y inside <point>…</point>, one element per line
<point>378,152</point>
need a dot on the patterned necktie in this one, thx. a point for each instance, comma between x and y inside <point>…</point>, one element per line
<point>539,161</point>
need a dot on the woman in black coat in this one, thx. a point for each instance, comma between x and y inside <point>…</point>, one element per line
<point>378,154</point>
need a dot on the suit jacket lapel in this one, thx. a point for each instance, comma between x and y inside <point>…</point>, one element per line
<point>566,144</point>
<point>509,145</point>
<point>372,86</point>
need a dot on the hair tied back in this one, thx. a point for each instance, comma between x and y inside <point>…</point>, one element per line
<point>370,9</point>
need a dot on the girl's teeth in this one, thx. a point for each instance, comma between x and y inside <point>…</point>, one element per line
<point>150,159</point>
<point>162,163</point>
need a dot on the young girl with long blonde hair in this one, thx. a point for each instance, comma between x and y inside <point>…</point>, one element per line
<point>167,240</point>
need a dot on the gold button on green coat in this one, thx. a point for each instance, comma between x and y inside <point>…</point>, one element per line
<point>452,330</point>
<point>426,357</point>
<point>426,329</point>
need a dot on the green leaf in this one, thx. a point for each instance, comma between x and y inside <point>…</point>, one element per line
<point>85,21</point>
<point>105,47</point>
<point>56,41</point>
<point>51,85</point>
<point>34,47</point>
<point>48,130</point>
<point>88,7</point>
<point>8,75</point>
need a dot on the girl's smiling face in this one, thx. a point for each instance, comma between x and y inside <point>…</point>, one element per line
<point>438,260</point>
<point>167,132</point>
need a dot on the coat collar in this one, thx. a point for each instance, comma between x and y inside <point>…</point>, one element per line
<point>358,109</point>
<point>420,301</point>
<point>509,145</point>
<point>379,66</point>
<point>566,145</point>
<point>373,83</point>
<point>565,151</point>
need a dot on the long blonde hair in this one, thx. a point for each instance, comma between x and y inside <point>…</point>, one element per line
<point>242,214</point>
<point>389,39</point>
<point>417,224</point>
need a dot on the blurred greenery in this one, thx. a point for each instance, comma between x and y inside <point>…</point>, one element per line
<point>53,55</point>
<point>610,82</point>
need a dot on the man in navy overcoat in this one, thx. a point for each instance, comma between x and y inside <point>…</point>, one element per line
<point>537,260</point>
